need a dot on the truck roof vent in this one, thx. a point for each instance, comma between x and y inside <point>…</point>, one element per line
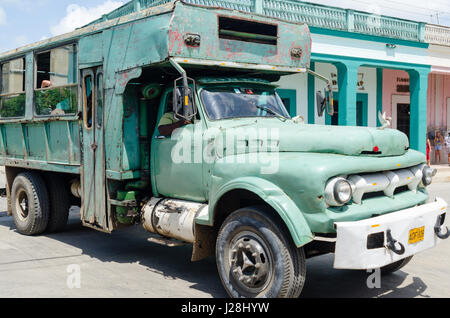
<point>248,31</point>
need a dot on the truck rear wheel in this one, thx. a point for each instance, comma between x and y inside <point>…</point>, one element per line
<point>256,257</point>
<point>59,203</point>
<point>29,203</point>
<point>391,268</point>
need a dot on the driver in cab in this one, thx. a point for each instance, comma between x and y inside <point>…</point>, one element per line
<point>168,123</point>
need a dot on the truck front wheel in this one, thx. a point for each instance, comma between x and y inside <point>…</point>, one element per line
<point>391,268</point>
<point>29,203</point>
<point>256,257</point>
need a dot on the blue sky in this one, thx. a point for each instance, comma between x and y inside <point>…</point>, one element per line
<point>26,21</point>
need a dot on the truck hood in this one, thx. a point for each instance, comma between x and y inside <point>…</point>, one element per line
<point>292,137</point>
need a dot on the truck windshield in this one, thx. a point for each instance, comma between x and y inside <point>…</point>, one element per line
<point>236,102</point>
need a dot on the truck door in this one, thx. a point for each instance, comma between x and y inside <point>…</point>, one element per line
<point>93,180</point>
<point>176,167</point>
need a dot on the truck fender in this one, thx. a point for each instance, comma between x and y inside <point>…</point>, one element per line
<point>276,198</point>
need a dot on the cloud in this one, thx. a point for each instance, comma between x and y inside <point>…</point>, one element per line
<point>21,40</point>
<point>2,16</point>
<point>78,16</point>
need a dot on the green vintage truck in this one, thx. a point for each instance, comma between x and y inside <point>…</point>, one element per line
<point>169,117</point>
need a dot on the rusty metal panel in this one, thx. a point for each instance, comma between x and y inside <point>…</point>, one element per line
<point>131,149</point>
<point>58,139</point>
<point>37,142</point>
<point>204,22</point>
<point>15,142</point>
<point>90,50</point>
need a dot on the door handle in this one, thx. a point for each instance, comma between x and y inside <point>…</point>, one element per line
<point>94,146</point>
<point>160,137</point>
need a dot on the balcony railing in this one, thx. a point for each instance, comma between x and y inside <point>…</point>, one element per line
<point>315,15</point>
<point>435,34</point>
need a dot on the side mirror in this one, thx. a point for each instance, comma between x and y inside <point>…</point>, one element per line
<point>183,101</point>
<point>325,102</point>
<point>320,103</point>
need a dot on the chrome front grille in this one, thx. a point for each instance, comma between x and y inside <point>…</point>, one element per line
<point>385,182</point>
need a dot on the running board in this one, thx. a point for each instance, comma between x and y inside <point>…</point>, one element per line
<point>165,241</point>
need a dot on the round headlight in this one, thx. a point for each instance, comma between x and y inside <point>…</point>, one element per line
<point>338,192</point>
<point>428,174</point>
<point>342,191</point>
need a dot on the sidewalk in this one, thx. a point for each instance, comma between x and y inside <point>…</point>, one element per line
<point>443,173</point>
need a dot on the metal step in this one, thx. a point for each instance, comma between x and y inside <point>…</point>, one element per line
<point>165,241</point>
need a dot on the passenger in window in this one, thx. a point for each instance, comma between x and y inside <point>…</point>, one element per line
<point>46,84</point>
<point>57,111</point>
<point>62,106</point>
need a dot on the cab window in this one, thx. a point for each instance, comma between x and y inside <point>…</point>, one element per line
<point>241,102</point>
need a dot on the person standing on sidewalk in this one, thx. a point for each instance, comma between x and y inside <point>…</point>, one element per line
<point>438,145</point>
<point>428,151</point>
<point>447,145</point>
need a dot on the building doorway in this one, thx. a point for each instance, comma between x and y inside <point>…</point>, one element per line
<point>403,118</point>
<point>401,113</point>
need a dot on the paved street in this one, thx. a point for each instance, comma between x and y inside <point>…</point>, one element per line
<point>124,264</point>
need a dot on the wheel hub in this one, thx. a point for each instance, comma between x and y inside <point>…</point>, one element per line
<point>250,261</point>
<point>22,205</point>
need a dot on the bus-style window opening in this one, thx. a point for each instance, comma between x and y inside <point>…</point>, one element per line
<point>12,97</point>
<point>56,82</point>
<point>88,101</point>
<point>100,101</point>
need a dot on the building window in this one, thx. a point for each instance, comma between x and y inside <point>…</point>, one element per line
<point>56,82</point>
<point>12,97</point>
<point>289,98</point>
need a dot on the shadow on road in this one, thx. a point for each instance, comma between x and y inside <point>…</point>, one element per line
<point>324,282</point>
<point>130,245</point>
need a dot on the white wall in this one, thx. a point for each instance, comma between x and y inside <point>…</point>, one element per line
<point>329,71</point>
<point>299,82</point>
<point>439,58</point>
<point>326,44</point>
<point>370,87</point>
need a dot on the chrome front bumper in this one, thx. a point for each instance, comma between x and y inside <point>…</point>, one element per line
<point>353,244</point>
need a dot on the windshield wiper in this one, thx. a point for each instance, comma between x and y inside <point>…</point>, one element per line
<point>271,111</point>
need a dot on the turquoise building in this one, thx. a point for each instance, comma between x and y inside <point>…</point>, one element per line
<point>351,47</point>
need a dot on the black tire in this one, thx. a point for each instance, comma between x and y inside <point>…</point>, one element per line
<point>59,203</point>
<point>256,257</point>
<point>29,203</point>
<point>391,268</point>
